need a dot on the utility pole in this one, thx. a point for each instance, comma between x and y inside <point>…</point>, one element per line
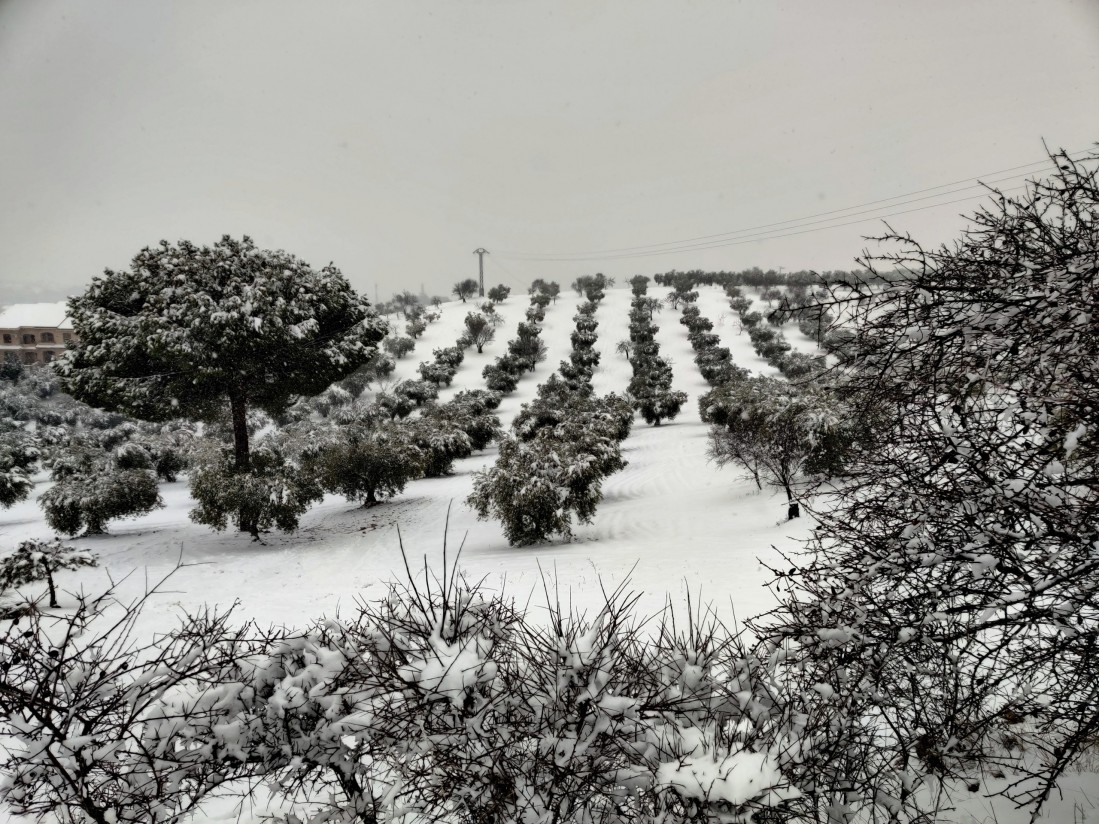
<point>481,254</point>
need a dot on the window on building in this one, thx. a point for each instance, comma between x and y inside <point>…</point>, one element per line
<point>28,338</point>
<point>47,337</point>
<point>7,338</point>
<point>30,357</point>
<point>66,337</point>
<point>47,356</point>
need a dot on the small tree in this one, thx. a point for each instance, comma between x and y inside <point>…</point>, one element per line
<point>777,432</point>
<point>364,461</point>
<point>537,486</point>
<point>399,347</point>
<point>465,289</point>
<point>530,351</point>
<point>38,560</point>
<point>480,330</point>
<point>90,490</point>
<point>660,405</point>
<point>416,328</point>
<point>18,455</point>
<point>275,494</point>
<point>498,294</point>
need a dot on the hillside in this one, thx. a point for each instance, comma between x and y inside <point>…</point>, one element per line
<point>671,522</point>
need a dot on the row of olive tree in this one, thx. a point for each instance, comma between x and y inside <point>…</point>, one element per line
<point>525,350</point>
<point>562,445</point>
<point>650,388</point>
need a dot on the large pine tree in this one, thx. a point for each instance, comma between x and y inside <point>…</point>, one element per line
<point>187,330</point>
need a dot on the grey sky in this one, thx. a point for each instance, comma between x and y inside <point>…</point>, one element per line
<point>394,138</point>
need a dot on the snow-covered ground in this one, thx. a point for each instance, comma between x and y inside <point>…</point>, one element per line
<point>671,521</point>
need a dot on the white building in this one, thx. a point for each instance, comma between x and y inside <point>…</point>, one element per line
<point>34,332</point>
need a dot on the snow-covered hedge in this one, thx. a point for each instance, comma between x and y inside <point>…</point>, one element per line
<point>442,700</point>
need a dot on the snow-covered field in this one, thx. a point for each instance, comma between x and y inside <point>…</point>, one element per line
<point>671,521</point>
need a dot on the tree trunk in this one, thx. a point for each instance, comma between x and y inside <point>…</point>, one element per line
<point>238,401</point>
<point>793,508</point>
<point>53,590</point>
<point>371,497</point>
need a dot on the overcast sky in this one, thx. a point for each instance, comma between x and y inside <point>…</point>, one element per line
<point>395,138</point>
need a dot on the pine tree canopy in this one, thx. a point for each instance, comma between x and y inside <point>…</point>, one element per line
<point>186,328</point>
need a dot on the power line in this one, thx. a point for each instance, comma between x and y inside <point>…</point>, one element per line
<point>507,273</point>
<point>681,245</point>
<point>797,224</point>
<point>768,235</point>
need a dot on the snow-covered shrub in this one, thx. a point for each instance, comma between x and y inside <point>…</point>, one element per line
<point>441,696</point>
<point>552,468</point>
<point>500,380</point>
<point>19,453</point>
<point>394,405</point>
<point>419,392</point>
<point>398,347</point>
<point>587,359</point>
<point>950,593</point>
<point>441,440</point>
<point>440,374</point>
<point>477,401</point>
<point>274,492</point>
<point>362,459</point>
<point>498,294</point>
<point>100,727</point>
<point>415,328</point>
<point>449,356</point>
<point>471,416</point>
<point>91,489</point>
<point>39,560</point>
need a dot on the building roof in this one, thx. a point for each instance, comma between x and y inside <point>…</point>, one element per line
<point>51,315</point>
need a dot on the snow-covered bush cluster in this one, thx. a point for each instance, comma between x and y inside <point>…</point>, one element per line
<point>369,451</point>
<point>440,700</point>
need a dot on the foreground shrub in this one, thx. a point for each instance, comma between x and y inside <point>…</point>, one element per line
<point>441,696</point>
